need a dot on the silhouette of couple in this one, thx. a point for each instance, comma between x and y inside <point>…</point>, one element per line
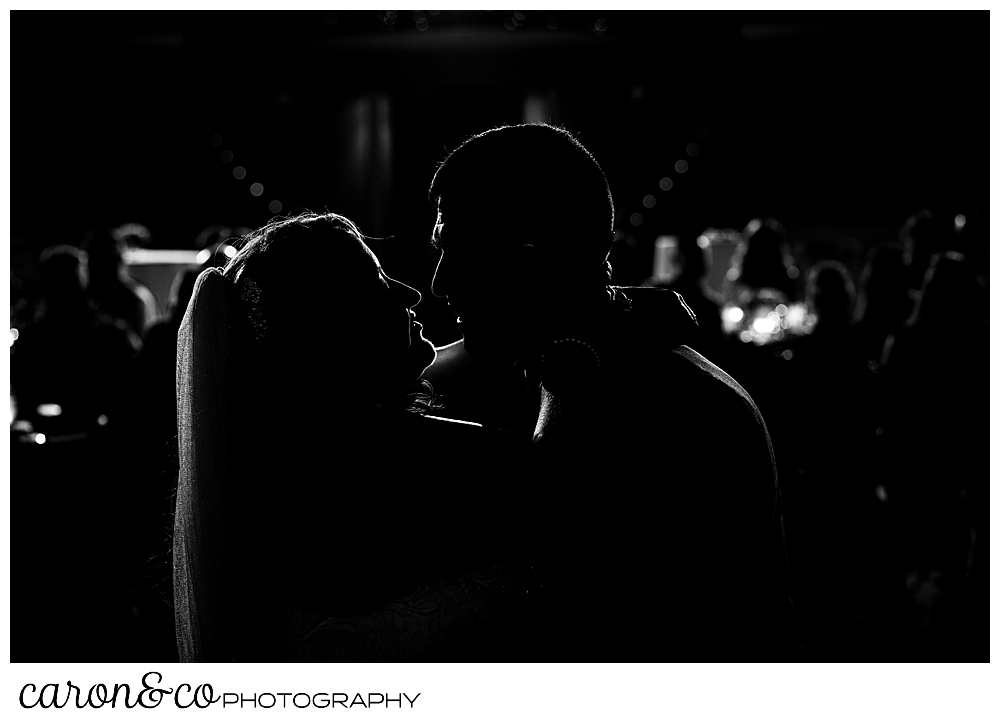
<point>609,494</point>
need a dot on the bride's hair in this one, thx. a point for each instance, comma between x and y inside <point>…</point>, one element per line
<point>274,377</point>
<point>305,286</point>
<point>291,257</point>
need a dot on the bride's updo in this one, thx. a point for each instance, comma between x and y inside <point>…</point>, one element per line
<point>315,305</point>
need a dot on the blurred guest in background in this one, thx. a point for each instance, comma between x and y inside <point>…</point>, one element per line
<point>115,292</point>
<point>762,265</point>
<point>924,234</point>
<point>830,292</point>
<point>70,363</point>
<point>661,523</point>
<point>937,432</point>
<point>936,364</point>
<point>308,523</point>
<point>79,489</point>
<point>884,303</point>
<point>212,236</point>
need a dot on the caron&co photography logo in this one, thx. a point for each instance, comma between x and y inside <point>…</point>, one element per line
<point>152,693</point>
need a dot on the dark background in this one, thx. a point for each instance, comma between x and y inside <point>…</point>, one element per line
<point>839,124</point>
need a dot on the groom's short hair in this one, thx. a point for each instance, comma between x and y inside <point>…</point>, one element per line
<point>532,175</point>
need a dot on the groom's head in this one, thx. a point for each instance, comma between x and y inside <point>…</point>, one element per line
<point>501,191</point>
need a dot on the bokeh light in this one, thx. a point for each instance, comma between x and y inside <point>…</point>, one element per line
<point>274,206</point>
<point>649,200</point>
<point>693,149</point>
<point>215,140</point>
<point>239,173</point>
<point>960,222</point>
<point>48,410</point>
<point>681,166</point>
<point>635,219</point>
<point>256,189</point>
<point>552,22</point>
<point>702,133</point>
<point>226,156</point>
<point>666,183</point>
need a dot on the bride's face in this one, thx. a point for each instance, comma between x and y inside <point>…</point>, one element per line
<point>403,352</point>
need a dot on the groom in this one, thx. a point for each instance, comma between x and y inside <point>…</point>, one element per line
<point>664,499</point>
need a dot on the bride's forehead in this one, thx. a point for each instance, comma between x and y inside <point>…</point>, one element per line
<point>360,254</point>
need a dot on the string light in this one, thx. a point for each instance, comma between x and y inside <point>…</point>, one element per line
<point>227,156</point>
<point>681,166</point>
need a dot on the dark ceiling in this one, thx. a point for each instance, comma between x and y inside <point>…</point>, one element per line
<point>817,118</point>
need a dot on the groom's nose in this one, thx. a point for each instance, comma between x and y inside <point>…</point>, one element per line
<point>441,283</point>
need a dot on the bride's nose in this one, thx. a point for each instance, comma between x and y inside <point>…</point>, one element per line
<point>410,296</point>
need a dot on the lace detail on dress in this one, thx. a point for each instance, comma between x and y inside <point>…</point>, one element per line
<point>465,618</point>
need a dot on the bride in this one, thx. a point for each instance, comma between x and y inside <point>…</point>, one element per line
<point>323,513</point>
